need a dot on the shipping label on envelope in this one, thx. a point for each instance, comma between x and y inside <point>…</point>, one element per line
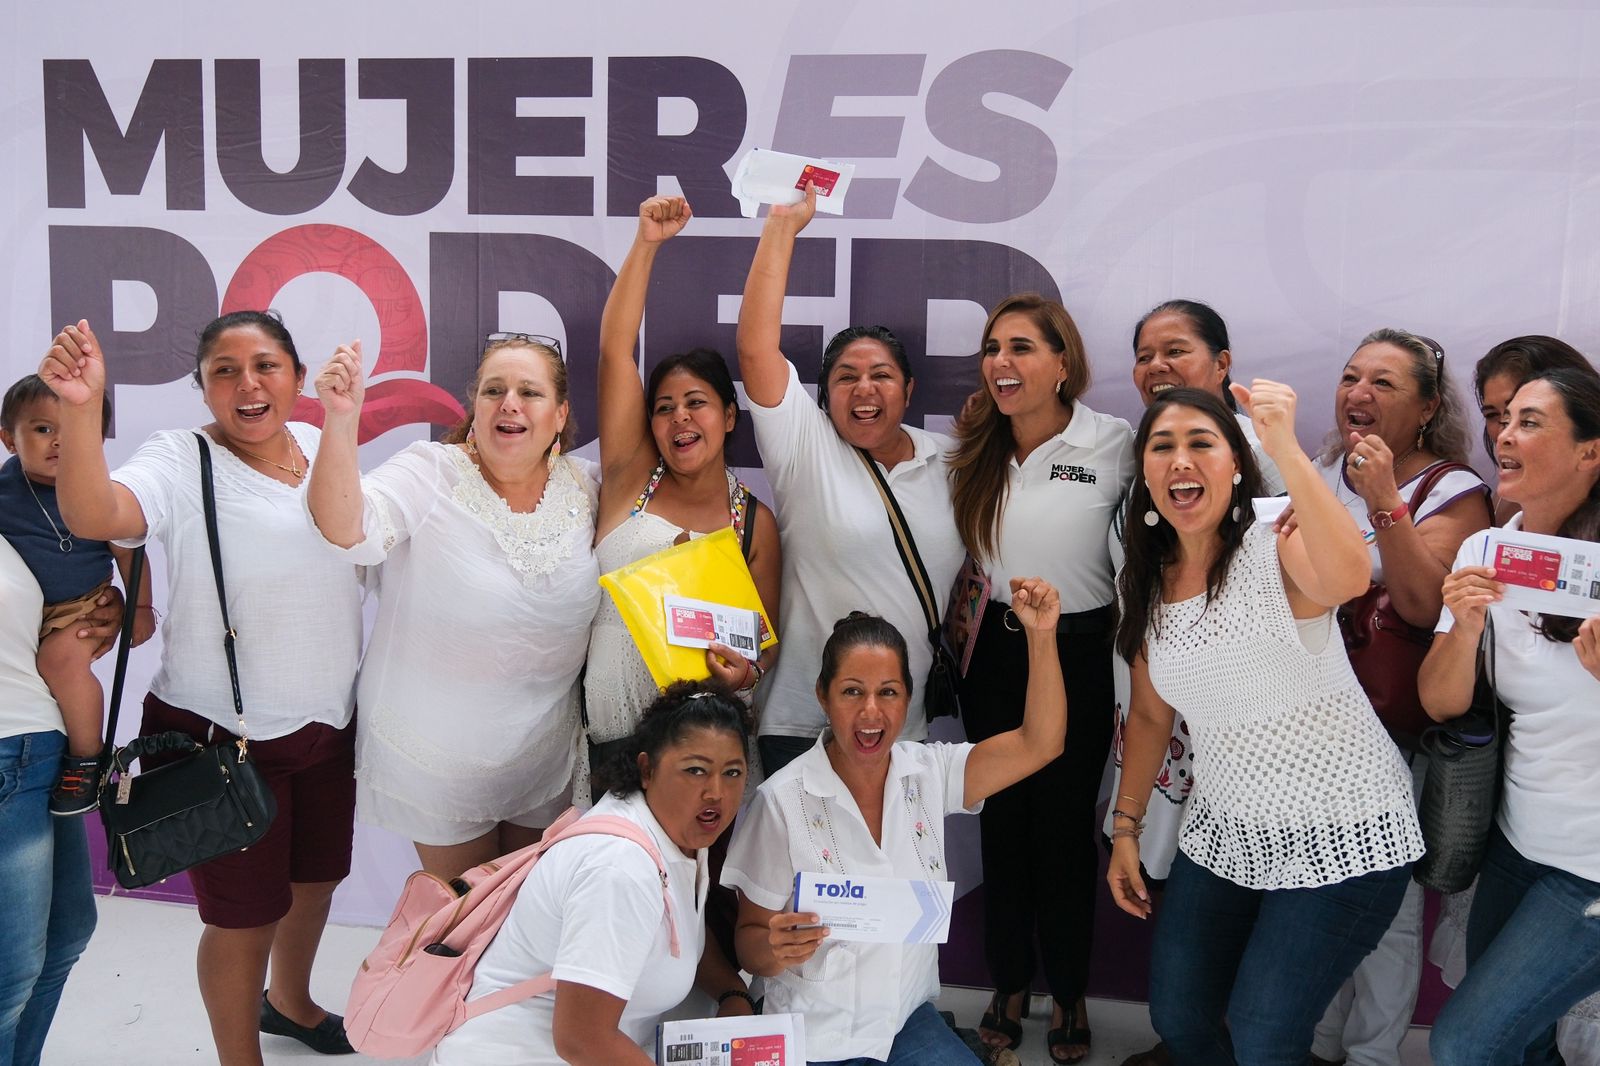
<point>696,623</point>
<point>762,1040</point>
<point>877,910</point>
<point>767,177</point>
<point>1544,574</point>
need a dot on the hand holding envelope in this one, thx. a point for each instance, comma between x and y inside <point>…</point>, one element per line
<point>795,936</point>
<point>778,178</point>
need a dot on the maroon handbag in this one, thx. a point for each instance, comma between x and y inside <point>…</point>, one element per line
<point>1386,650</point>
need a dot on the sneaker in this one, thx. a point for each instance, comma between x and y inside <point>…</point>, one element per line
<point>78,791</point>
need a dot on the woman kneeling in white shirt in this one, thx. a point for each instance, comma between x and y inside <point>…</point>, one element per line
<point>593,913</point>
<point>859,803</point>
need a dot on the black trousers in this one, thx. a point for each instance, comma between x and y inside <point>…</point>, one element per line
<point>1040,840</point>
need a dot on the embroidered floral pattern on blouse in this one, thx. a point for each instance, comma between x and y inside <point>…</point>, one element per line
<point>538,542</point>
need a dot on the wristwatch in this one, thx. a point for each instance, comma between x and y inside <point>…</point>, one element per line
<point>1385,519</point>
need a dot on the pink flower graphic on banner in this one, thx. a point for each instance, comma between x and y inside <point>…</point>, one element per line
<point>403,340</point>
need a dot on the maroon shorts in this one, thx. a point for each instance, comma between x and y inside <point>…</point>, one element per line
<point>312,776</point>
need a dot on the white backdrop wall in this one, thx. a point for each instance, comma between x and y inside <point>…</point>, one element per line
<point>419,174</point>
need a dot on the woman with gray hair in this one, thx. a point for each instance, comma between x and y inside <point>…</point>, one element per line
<point>1397,459</point>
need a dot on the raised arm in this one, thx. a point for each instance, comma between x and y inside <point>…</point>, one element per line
<point>93,506</point>
<point>334,492</point>
<point>761,362</point>
<point>626,452</point>
<point>1323,556</point>
<point>1144,746</point>
<point>1006,758</point>
<point>1449,673</point>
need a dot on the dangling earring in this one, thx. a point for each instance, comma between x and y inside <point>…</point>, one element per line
<point>1420,431</point>
<point>1060,385</point>
<point>1152,517</point>
<point>555,448</point>
<point>1237,479</point>
<point>472,441</point>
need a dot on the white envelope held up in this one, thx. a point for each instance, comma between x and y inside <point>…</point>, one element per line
<point>761,1040</point>
<point>768,177</point>
<point>1269,508</point>
<point>877,910</point>
<point>1546,575</point>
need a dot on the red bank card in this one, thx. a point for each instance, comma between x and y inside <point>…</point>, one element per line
<point>1534,568</point>
<point>824,180</point>
<point>759,1051</point>
<point>692,624</point>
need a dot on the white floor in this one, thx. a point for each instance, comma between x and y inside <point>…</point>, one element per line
<point>132,999</point>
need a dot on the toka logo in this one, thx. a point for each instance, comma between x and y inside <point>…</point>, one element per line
<point>1081,474</point>
<point>844,891</point>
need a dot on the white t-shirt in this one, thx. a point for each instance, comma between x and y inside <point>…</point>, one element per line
<point>1059,504</point>
<point>26,705</point>
<point>296,608</point>
<point>839,552</point>
<point>855,997</point>
<point>1445,491</point>
<point>468,693</point>
<point>1549,812</point>
<point>590,912</point>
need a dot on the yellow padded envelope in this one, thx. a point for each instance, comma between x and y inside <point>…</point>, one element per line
<point>705,568</point>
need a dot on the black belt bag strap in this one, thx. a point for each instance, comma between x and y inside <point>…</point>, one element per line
<point>209,803</point>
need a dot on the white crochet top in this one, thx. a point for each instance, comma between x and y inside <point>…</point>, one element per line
<point>1296,782</point>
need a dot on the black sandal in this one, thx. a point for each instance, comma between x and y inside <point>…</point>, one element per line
<point>1068,1035</point>
<point>995,1019</point>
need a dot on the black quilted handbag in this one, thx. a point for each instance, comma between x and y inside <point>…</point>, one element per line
<point>1461,793</point>
<point>209,803</point>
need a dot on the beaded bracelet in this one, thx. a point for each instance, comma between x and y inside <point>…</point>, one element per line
<point>1120,813</point>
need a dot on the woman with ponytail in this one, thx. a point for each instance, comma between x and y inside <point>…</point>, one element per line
<point>592,911</point>
<point>1533,938</point>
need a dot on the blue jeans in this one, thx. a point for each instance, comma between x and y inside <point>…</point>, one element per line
<point>49,910</point>
<point>925,1040</point>
<point>1268,962</point>
<point>1533,951</point>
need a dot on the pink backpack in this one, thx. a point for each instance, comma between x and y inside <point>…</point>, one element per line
<point>412,989</point>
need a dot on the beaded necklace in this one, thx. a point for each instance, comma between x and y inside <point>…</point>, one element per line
<point>738,496</point>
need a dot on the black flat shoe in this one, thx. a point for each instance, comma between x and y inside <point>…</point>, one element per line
<point>325,1038</point>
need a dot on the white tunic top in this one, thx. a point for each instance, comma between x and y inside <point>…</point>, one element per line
<point>26,705</point>
<point>468,689</point>
<point>855,996</point>
<point>839,552</point>
<point>1296,782</point>
<point>1549,812</point>
<point>590,912</point>
<point>1447,490</point>
<point>1059,503</point>
<point>296,608</point>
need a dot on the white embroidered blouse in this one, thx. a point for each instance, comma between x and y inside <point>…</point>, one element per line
<point>467,697</point>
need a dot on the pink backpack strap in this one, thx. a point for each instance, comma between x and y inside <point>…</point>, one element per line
<point>601,825</point>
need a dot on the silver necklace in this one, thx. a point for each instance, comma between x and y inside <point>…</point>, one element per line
<point>63,541</point>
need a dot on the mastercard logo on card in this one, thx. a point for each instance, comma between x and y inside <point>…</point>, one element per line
<point>823,179</point>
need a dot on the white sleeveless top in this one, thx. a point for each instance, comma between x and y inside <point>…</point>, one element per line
<point>1296,782</point>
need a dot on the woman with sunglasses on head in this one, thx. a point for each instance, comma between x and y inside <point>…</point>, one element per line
<point>487,585</point>
<point>1297,843</point>
<point>1501,372</point>
<point>1533,939</point>
<point>665,480</point>
<point>840,551</point>
<point>297,611</point>
<point>1399,427</point>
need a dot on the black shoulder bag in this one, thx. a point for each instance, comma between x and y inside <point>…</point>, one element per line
<point>210,802</point>
<point>1461,794</point>
<point>940,697</point>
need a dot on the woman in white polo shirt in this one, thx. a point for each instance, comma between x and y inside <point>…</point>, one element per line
<point>1037,478</point>
<point>44,861</point>
<point>621,935</point>
<point>859,803</point>
<point>839,551</point>
<point>1533,940</point>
